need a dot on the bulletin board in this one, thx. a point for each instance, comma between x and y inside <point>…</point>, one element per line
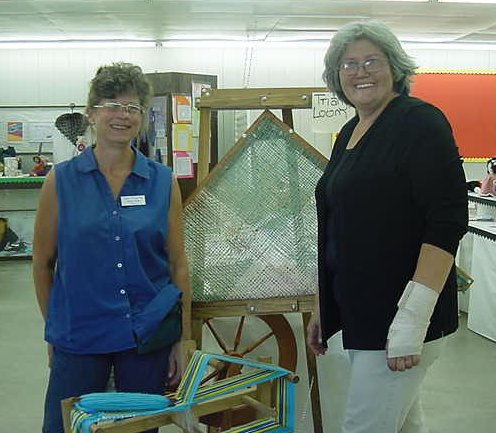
<point>468,99</point>
<point>25,128</point>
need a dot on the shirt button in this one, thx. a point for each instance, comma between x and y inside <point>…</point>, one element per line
<point>122,292</point>
<point>119,265</point>
<point>128,316</point>
<point>114,212</point>
<point>117,238</point>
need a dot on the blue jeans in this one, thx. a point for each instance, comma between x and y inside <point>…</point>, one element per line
<point>72,375</point>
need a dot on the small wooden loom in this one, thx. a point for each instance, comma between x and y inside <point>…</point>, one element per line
<point>267,388</point>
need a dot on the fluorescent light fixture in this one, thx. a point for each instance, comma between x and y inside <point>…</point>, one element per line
<point>472,46</point>
<point>92,43</point>
<point>467,1</point>
<point>210,37</point>
<point>196,41</point>
<point>408,1</point>
<point>162,44</point>
<point>208,44</point>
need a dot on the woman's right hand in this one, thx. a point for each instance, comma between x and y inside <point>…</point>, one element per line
<point>314,336</point>
<point>50,354</point>
<point>175,366</point>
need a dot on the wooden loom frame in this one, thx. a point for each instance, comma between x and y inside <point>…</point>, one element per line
<point>285,99</point>
<point>259,395</point>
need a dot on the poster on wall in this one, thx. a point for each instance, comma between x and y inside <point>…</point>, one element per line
<point>329,113</point>
<point>40,132</point>
<point>15,132</point>
<point>181,108</point>
<point>182,137</point>
<point>182,164</point>
<point>159,110</point>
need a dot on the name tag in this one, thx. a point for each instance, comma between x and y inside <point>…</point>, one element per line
<point>133,200</point>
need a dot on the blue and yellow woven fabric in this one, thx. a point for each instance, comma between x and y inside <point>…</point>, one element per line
<point>107,407</point>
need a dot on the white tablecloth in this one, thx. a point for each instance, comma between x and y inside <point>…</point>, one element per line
<point>482,305</point>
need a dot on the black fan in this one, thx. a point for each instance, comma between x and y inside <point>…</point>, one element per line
<point>72,125</point>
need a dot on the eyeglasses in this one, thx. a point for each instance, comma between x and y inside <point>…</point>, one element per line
<point>131,108</point>
<point>370,66</point>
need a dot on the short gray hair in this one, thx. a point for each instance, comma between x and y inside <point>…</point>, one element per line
<point>402,65</point>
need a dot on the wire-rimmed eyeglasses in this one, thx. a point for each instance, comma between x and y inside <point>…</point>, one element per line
<point>370,66</point>
<point>131,108</point>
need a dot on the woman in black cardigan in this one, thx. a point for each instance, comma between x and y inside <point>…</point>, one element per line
<point>392,207</point>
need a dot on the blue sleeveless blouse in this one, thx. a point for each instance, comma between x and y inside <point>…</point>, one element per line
<point>112,281</point>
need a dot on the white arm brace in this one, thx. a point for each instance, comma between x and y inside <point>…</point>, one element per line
<point>407,331</point>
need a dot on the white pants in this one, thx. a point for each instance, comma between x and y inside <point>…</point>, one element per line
<point>384,401</point>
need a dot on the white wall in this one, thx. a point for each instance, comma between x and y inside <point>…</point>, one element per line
<point>61,75</point>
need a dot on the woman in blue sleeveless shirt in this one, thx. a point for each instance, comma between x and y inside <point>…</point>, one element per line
<point>108,254</point>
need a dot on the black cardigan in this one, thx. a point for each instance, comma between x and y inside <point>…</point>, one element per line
<point>407,187</point>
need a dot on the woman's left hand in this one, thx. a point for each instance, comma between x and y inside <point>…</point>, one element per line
<point>403,363</point>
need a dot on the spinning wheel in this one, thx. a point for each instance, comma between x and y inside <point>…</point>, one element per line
<point>269,335</point>
<point>276,326</point>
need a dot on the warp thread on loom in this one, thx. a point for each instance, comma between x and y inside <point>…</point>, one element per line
<point>107,407</point>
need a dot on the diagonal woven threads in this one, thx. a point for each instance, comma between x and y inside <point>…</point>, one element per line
<point>251,229</point>
<point>88,411</point>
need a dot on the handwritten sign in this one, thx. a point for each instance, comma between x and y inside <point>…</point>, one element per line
<point>40,131</point>
<point>329,113</point>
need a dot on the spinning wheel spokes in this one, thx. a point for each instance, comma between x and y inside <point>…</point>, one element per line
<point>257,343</point>
<point>239,331</point>
<point>282,351</point>
<point>217,337</point>
<point>274,325</point>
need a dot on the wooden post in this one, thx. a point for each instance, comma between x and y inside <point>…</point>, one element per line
<point>203,145</point>
<point>312,373</point>
<point>287,117</point>
<point>66,406</point>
